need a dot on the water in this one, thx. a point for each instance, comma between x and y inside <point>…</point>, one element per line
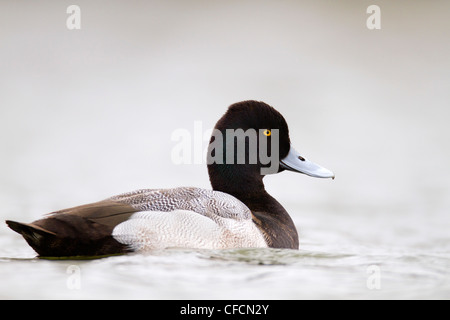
<point>333,263</point>
<point>88,114</point>
<point>231,274</point>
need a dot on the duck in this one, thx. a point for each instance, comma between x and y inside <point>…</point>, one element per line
<point>237,212</point>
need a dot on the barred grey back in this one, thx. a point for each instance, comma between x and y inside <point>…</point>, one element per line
<point>212,204</point>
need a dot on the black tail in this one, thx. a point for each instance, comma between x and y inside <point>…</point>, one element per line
<point>89,239</point>
<point>34,235</point>
<point>28,230</point>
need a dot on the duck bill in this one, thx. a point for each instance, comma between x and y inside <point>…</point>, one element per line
<point>297,163</point>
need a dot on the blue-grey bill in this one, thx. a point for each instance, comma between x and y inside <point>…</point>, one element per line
<point>295,162</point>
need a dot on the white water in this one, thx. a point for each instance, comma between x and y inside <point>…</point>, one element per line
<point>87,114</point>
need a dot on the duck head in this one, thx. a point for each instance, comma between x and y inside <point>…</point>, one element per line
<point>251,140</point>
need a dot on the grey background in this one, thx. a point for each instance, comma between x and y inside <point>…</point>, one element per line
<point>86,114</point>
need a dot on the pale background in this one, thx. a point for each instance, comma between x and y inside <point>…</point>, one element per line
<point>86,114</point>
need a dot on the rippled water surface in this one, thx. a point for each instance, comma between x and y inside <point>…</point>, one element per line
<point>337,267</point>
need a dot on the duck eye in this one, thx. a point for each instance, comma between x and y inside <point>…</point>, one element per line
<point>267,132</point>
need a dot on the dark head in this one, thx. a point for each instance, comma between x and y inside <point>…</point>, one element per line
<point>250,141</point>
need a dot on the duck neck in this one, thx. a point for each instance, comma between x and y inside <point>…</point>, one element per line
<point>236,180</point>
<point>268,214</point>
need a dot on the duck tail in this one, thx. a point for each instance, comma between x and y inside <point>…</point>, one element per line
<point>34,235</point>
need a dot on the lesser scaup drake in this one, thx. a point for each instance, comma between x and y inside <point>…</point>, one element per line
<point>238,212</point>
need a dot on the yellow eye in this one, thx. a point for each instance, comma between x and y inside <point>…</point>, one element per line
<point>267,132</point>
